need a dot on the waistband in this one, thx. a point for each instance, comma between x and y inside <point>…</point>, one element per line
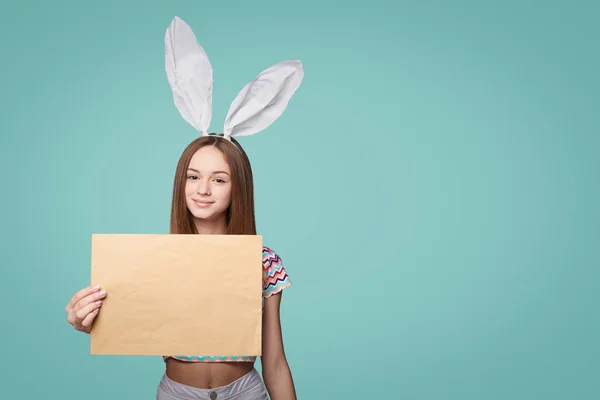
<point>251,380</point>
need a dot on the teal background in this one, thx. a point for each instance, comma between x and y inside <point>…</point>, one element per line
<point>433,187</point>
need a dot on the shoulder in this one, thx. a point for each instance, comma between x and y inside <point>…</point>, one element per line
<point>270,257</point>
<point>275,275</point>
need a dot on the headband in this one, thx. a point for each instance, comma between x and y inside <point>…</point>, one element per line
<point>190,77</point>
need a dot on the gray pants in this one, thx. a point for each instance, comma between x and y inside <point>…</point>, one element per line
<point>248,387</point>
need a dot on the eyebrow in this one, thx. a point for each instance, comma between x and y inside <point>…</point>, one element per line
<point>214,172</point>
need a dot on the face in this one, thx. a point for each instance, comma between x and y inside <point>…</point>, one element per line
<point>208,184</point>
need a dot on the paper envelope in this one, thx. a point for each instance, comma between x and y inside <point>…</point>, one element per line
<point>173,294</point>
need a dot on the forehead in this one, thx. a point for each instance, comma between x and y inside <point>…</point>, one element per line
<point>208,159</point>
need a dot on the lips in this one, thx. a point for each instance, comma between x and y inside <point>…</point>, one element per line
<point>201,203</point>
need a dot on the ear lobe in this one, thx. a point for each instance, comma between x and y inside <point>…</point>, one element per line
<point>190,75</point>
<point>264,99</point>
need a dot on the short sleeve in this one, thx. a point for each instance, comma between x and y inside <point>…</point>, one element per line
<point>275,277</point>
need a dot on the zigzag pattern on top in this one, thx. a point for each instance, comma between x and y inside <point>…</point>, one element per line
<point>275,278</point>
<point>217,358</point>
<point>269,257</point>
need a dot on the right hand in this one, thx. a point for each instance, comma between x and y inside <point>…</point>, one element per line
<point>83,308</point>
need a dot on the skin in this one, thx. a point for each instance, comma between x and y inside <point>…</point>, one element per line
<point>208,195</point>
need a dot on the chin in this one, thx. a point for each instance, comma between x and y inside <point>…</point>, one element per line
<point>204,214</point>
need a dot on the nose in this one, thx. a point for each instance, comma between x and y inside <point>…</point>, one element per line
<point>203,187</point>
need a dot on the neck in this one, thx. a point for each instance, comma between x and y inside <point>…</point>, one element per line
<point>213,227</point>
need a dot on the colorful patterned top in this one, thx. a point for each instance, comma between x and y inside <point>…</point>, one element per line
<point>275,279</point>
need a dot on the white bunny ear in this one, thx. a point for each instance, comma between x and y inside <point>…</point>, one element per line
<point>263,99</point>
<point>190,75</point>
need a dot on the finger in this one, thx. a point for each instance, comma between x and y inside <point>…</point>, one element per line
<point>81,294</point>
<point>83,313</point>
<point>90,298</point>
<point>89,319</point>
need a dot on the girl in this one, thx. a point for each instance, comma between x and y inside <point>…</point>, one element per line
<point>213,194</point>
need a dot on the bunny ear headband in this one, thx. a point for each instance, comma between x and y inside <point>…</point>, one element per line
<point>190,77</point>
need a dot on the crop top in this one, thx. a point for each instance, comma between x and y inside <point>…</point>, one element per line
<point>275,279</point>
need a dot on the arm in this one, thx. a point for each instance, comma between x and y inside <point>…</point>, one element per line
<point>276,371</point>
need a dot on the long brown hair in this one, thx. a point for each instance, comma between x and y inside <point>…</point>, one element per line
<point>240,214</point>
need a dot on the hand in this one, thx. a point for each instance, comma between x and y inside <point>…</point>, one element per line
<point>83,308</point>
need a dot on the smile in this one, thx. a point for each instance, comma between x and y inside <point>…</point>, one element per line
<point>203,203</point>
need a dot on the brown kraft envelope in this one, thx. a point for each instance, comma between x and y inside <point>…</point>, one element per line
<point>171,294</point>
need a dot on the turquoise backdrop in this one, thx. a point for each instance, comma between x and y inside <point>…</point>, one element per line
<point>433,187</point>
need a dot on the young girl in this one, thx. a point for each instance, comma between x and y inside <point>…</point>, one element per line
<point>213,193</point>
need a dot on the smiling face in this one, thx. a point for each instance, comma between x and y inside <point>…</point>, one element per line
<point>213,189</point>
<point>208,185</point>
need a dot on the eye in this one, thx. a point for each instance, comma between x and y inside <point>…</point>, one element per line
<point>191,177</point>
<point>219,180</point>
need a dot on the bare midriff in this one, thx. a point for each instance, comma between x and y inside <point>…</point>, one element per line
<point>206,375</point>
